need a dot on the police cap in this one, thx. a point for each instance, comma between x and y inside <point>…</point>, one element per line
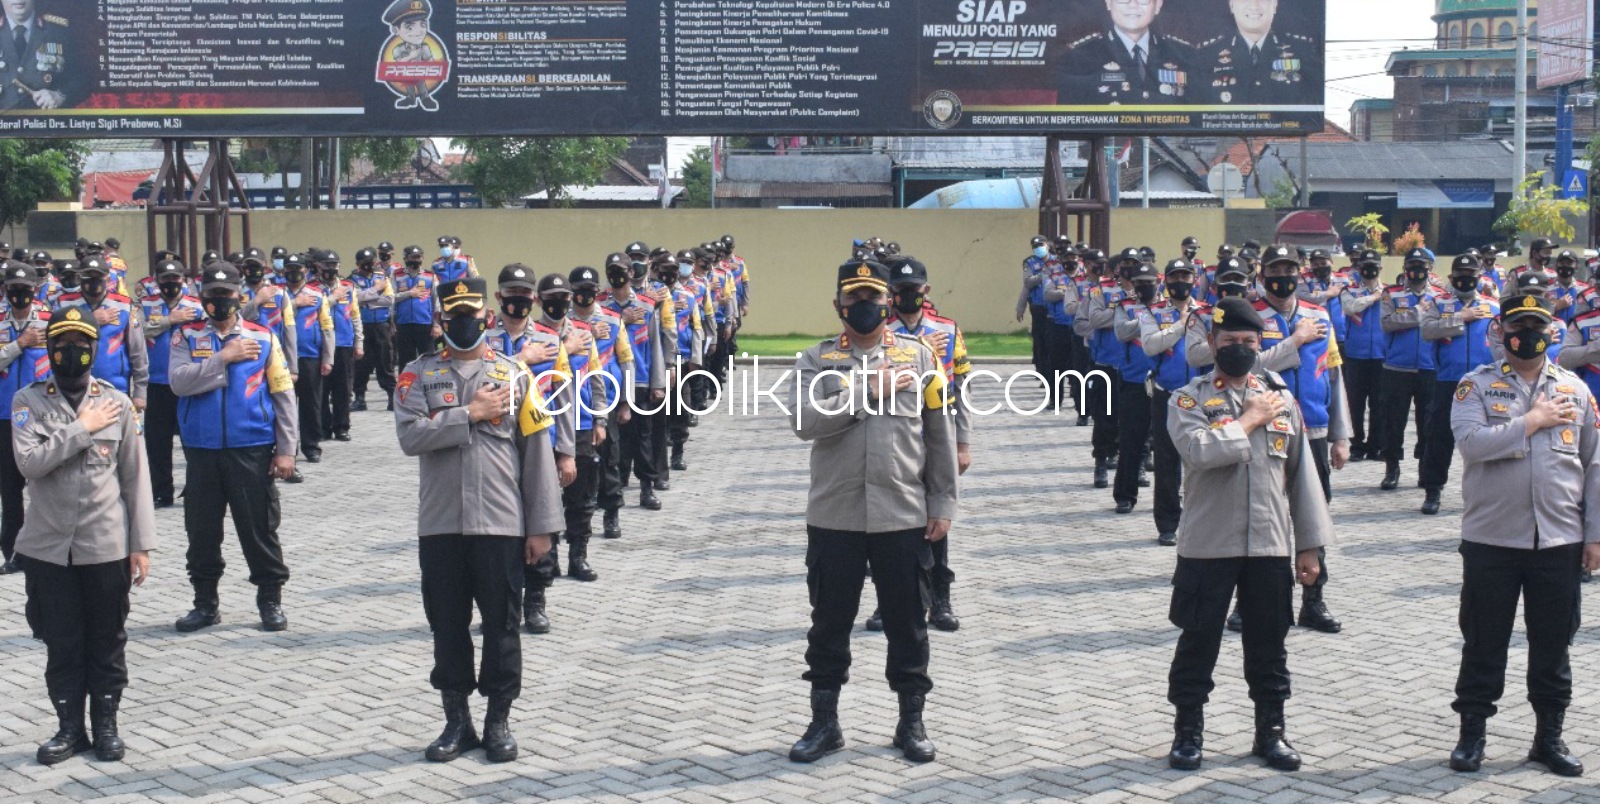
<point>1278,253</point>
<point>20,273</point>
<point>583,276</point>
<point>517,275</point>
<point>1419,255</point>
<point>1234,314</point>
<point>168,268</point>
<point>220,274</point>
<point>466,294</point>
<point>863,274</point>
<point>401,10</point>
<point>73,319</point>
<point>907,270</point>
<point>1176,266</point>
<point>554,284</point>
<point>1523,305</point>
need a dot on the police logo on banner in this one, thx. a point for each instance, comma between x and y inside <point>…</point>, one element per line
<point>942,109</point>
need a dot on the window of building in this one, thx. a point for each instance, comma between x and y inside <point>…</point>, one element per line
<point>1454,39</point>
<point>1452,71</point>
<point>1430,71</point>
<point>1507,34</point>
<point>1533,31</point>
<point>1476,37</point>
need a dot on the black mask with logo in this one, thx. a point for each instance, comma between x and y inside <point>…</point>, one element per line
<point>1370,272</point>
<point>1464,283</point>
<point>220,308</point>
<point>1179,291</point>
<point>20,297</point>
<point>1236,360</point>
<point>1526,344</point>
<point>170,290</point>
<point>555,309</point>
<point>583,298</point>
<point>518,307</point>
<point>71,362</point>
<point>1146,291</point>
<point>864,315</point>
<point>1281,287</point>
<point>465,332</point>
<point>908,300</point>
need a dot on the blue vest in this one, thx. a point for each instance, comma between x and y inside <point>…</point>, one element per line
<point>1364,338</point>
<point>238,414</point>
<point>308,325</point>
<point>450,270</point>
<point>417,310</point>
<point>638,336</point>
<point>344,327</point>
<point>370,315</point>
<point>1308,381</point>
<point>1406,349</point>
<point>1058,309</point>
<point>1136,365</point>
<point>269,314</point>
<point>1172,369</point>
<point>1588,329</point>
<point>1459,356</point>
<point>1038,266</point>
<point>1557,291</point>
<point>1334,305</point>
<point>31,366</point>
<point>1103,344</point>
<point>111,361</point>
<point>158,346</point>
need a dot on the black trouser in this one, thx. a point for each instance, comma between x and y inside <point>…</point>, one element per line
<point>1061,348</point>
<point>11,485</point>
<point>1361,386</point>
<point>1493,578</point>
<point>608,488</point>
<point>377,357</point>
<point>637,451</point>
<point>456,572</point>
<point>1319,459</point>
<point>1038,322</point>
<point>160,426</point>
<point>1096,394</point>
<point>678,415</point>
<point>1439,447</point>
<point>1081,364</point>
<point>411,342</point>
<point>837,562</point>
<point>1399,390</point>
<point>80,612</point>
<point>308,399</point>
<point>1133,428</point>
<point>335,412</point>
<point>239,480</point>
<point>1169,467</point>
<point>577,504</point>
<point>1202,590</point>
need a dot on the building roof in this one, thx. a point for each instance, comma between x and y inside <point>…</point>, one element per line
<point>611,193</point>
<point>1494,8</point>
<point>1239,152</point>
<point>1373,104</point>
<point>1403,161</point>
<point>974,153</point>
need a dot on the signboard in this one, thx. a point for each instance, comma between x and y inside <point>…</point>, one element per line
<point>1566,42</point>
<point>1446,194</point>
<point>197,68</point>
<point>1576,184</point>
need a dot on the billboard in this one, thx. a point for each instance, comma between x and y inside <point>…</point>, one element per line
<point>198,68</point>
<point>1565,43</point>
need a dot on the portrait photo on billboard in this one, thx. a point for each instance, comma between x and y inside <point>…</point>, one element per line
<point>44,64</point>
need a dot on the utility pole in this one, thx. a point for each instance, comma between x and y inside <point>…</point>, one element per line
<point>1145,160</point>
<point>1520,126</point>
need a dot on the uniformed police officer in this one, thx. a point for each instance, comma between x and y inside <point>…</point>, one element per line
<point>36,53</point>
<point>1035,273</point>
<point>1526,429</point>
<point>639,314</point>
<point>489,500</point>
<point>163,312</point>
<point>23,361</point>
<point>236,418</point>
<point>1254,518</point>
<point>883,489</point>
<point>89,533</point>
<point>1409,369</point>
<point>616,356</point>
<point>413,308</point>
<point>1127,62</point>
<point>1105,299</point>
<point>1162,331</point>
<point>348,345</point>
<point>1457,325</point>
<point>123,359</point>
<point>1363,353</point>
<point>1256,65</point>
<point>376,297</point>
<point>1133,398</point>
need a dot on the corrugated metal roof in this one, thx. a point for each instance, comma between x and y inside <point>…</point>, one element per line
<point>975,153</point>
<point>1358,161</point>
<point>610,192</point>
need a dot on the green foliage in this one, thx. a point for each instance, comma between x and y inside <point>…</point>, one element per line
<point>1284,194</point>
<point>1537,211</point>
<point>1371,226</point>
<point>36,170</point>
<point>697,179</point>
<point>503,169</point>
<point>386,154</point>
<point>1412,238</point>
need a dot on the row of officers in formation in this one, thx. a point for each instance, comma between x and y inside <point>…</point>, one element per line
<point>527,415</point>
<point>1271,364</point>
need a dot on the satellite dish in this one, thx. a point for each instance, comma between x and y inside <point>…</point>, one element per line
<point>1225,179</point>
<point>427,155</point>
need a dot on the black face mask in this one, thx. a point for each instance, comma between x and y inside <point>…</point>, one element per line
<point>583,298</point>
<point>294,276</point>
<point>171,290</point>
<point>69,283</point>
<point>330,275</point>
<point>907,300</point>
<point>95,288</point>
<point>1236,360</point>
<point>1566,271</point>
<point>385,256</point>
<point>864,315</point>
<point>518,307</point>
<point>20,298</point>
<point>1370,273</point>
<point>413,267</point>
<point>1146,291</point>
<point>556,309</point>
<point>668,279</point>
<point>70,361</point>
<point>1232,289</point>
<point>617,279</point>
<point>221,307</point>
<point>639,269</point>
<point>255,275</point>
<point>1526,345</point>
<point>1322,271</point>
<point>1281,287</point>
<point>1465,284</point>
<point>1178,291</point>
<point>464,332</point>
<point>1416,276</point>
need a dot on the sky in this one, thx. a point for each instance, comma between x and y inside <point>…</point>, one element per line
<point>1361,34</point>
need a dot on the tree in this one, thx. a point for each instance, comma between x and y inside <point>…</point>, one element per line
<point>36,170</point>
<point>1285,193</point>
<point>1536,210</point>
<point>697,179</point>
<point>385,153</point>
<point>503,169</point>
<point>1370,227</point>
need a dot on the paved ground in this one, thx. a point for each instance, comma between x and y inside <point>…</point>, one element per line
<point>676,677</point>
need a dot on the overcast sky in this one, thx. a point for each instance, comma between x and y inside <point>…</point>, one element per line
<point>1361,34</point>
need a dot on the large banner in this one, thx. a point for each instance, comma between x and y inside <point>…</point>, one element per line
<point>1566,42</point>
<point>196,68</point>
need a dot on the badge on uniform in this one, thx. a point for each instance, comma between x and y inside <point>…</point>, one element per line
<point>403,384</point>
<point>1568,437</point>
<point>1279,445</point>
<point>1498,384</point>
<point>1281,425</point>
<point>1187,402</point>
<point>448,398</point>
<point>1500,407</point>
<point>1464,389</point>
<point>1215,402</point>
<point>20,417</point>
<point>1565,389</point>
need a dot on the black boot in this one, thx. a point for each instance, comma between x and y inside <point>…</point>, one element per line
<point>9,566</point>
<point>875,622</point>
<point>103,719</point>
<point>205,612</point>
<point>823,736</point>
<point>1468,756</point>
<point>458,735</point>
<point>359,403</point>
<point>72,738</point>
<point>1314,613</point>
<point>1102,472</point>
<point>677,459</point>
<point>1272,744</point>
<point>909,736</point>
<point>613,528</point>
<point>1430,502</point>
<point>269,601</point>
<point>498,744</point>
<point>1391,476</point>
<point>1083,421</point>
<point>648,499</point>
<point>662,484</point>
<point>1167,538</point>
<point>1548,748</point>
<point>578,560</point>
<point>390,406</point>
<point>553,558</point>
<point>1235,620</point>
<point>941,616</point>
<point>1188,739</point>
<point>534,620</point>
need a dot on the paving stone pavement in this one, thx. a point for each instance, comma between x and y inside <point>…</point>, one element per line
<point>677,675</point>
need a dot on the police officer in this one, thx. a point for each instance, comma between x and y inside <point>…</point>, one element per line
<point>1083,282</point>
<point>236,417</point>
<point>23,361</point>
<point>1363,351</point>
<point>1035,273</point>
<point>1254,519</point>
<point>37,53</point>
<point>1133,398</point>
<point>163,312</point>
<point>413,308</point>
<point>1162,331</point>
<point>1526,428</point>
<point>587,393</point>
<point>1567,291</point>
<point>89,534</point>
<point>1061,301</point>
<point>1408,363</point>
<point>640,318</point>
<point>1105,299</point>
<point>488,502</point>
<point>883,489</point>
<point>614,351</point>
<point>1256,65</point>
<point>1127,62</point>
<point>314,334</point>
<point>683,342</point>
<point>1458,327</point>
<point>348,345</point>
<point>122,361</point>
<point>265,302</point>
<point>451,265</point>
<point>1540,252</point>
<point>376,297</point>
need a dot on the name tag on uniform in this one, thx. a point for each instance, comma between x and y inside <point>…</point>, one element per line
<point>200,351</point>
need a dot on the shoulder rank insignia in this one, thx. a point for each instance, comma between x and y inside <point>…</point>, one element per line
<point>1215,402</point>
<point>1465,388</point>
<point>1187,402</point>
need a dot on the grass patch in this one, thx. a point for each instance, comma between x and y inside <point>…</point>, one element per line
<point>979,344</point>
